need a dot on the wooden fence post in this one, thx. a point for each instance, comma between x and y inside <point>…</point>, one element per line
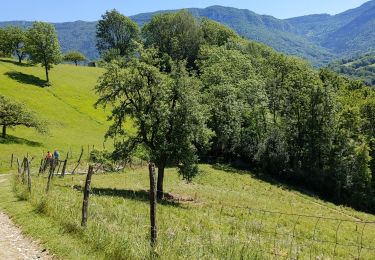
<point>64,166</point>
<point>86,195</point>
<point>11,161</point>
<point>25,161</point>
<point>28,175</point>
<point>154,235</point>
<point>41,166</point>
<point>19,169</point>
<point>51,169</point>
<point>79,161</point>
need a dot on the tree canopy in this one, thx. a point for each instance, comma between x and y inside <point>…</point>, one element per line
<point>74,56</point>
<point>176,34</point>
<point>196,83</point>
<point>16,41</point>
<point>116,32</point>
<point>43,46</point>
<point>166,110</point>
<point>13,114</point>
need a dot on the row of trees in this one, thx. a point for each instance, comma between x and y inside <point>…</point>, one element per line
<point>195,89</point>
<point>39,44</point>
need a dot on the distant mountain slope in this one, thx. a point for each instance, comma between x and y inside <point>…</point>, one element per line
<point>319,38</point>
<point>362,67</point>
<point>77,35</point>
<point>348,33</point>
<point>274,32</point>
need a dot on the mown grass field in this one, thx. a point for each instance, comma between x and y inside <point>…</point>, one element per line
<point>223,214</point>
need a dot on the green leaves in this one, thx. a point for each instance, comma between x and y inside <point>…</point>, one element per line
<point>116,32</point>
<point>74,56</point>
<point>13,114</point>
<point>176,34</point>
<point>43,46</point>
<point>165,108</point>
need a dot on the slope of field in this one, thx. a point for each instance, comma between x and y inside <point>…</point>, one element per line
<point>223,214</point>
<point>67,107</point>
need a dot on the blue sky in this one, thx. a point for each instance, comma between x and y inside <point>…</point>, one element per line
<point>90,10</point>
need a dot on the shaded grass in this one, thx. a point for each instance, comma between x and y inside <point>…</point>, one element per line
<point>17,140</point>
<point>26,78</point>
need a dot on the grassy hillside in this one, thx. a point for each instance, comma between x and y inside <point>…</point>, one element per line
<point>67,107</point>
<point>218,216</point>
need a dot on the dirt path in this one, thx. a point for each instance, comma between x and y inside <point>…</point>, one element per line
<point>13,245</point>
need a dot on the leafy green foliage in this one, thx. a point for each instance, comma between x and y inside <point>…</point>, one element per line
<point>176,34</point>
<point>265,109</point>
<point>116,31</point>
<point>16,38</point>
<point>43,46</point>
<point>165,109</point>
<point>215,33</point>
<point>13,114</point>
<point>74,56</point>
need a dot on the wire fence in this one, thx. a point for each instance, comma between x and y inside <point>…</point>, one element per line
<point>282,235</point>
<point>299,236</point>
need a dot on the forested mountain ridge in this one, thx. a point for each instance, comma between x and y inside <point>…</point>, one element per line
<point>318,38</point>
<point>347,33</point>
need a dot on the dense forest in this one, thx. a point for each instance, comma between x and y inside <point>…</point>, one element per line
<point>197,91</point>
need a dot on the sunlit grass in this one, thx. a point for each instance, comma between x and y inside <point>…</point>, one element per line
<point>221,221</point>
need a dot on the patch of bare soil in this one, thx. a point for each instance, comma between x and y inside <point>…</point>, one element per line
<point>13,245</point>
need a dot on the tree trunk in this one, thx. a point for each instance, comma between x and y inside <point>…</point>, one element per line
<point>76,62</point>
<point>160,191</point>
<point>47,77</point>
<point>19,59</point>
<point>4,135</point>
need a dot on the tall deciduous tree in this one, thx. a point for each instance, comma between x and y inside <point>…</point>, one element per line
<point>177,34</point>
<point>74,56</point>
<point>43,46</point>
<point>13,114</point>
<point>5,49</point>
<point>16,39</point>
<point>165,108</point>
<point>116,31</point>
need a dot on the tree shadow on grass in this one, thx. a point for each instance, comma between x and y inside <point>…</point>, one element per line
<point>140,195</point>
<point>17,140</point>
<point>26,78</point>
<point>17,63</point>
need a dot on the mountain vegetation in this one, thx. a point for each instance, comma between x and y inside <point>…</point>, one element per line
<point>185,94</point>
<point>271,112</point>
<point>318,38</point>
<point>362,67</point>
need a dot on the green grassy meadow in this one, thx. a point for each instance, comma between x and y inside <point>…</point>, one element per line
<point>67,107</point>
<point>222,214</point>
<point>215,217</point>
